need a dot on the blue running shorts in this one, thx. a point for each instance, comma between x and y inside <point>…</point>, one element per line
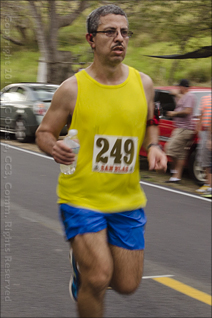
<point>124,229</point>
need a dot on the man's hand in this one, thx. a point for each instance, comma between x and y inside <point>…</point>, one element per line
<point>183,113</point>
<point>171,113</point>
<point>157,159</point>
<point>209,144</point>
<point>62,153</point>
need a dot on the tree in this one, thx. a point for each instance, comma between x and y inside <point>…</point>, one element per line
<point>19,21</point>
<point>48,21</point>
<point>177,20</point>
<point>183,23</point>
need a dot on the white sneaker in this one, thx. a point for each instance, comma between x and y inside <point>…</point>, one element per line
<point>207,193</point>
<point>203,188</point>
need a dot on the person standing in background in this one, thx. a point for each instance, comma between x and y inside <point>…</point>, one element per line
<point>204,154</point>
<point>184,129</point>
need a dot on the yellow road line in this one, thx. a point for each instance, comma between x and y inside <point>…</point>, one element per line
<point>185,289</point>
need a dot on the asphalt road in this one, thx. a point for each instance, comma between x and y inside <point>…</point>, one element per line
<point>34,255</point>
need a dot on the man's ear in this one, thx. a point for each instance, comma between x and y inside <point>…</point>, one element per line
<point>89,38</point>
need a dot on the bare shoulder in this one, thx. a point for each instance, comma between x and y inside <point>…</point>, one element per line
<point>58,114</point>
<point>146,80</point>
<point>69,85</point>
<point>148,86</point>
<point>66,94</point>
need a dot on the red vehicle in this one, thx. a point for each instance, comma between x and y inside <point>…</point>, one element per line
<point>165,102</point>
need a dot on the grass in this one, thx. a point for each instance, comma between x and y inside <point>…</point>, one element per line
<point>20,67</point>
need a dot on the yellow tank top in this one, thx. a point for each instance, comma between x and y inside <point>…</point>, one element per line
<point>111,124</point>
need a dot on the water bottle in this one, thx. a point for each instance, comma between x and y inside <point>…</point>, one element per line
<point>71,141</point>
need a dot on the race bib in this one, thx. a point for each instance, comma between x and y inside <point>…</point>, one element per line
<point>112,154</point>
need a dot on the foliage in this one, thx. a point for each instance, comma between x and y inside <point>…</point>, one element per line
<point>24,64</point>
<point>176,21</point>
<point>16,24</point>
<point>159,27</point>
<point>199,74</point>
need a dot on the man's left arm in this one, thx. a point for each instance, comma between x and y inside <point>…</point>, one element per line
<point>182,113</point>
<point>189,102</point>
<point>156,157</point>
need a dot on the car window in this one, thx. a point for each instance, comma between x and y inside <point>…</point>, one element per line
<point>8,95</point>
<point>22,94</point>
<point>12,97</point>
<point>44,93</point>
<point>4,95</point>
<point>166,100</point>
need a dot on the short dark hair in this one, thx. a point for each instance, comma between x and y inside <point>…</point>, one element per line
<point>94,16</point>
<point>184,82</point>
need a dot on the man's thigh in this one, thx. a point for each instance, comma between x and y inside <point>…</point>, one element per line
<point>175,147</point>
<point>127,269</point>
<point>175,140</point>
<point>126,240</point>
<point>92,254</point>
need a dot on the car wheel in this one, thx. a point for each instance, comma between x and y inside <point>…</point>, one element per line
<point>196,172</point>
<point>21,130</point>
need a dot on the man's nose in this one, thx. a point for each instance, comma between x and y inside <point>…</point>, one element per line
<point>118,36</point>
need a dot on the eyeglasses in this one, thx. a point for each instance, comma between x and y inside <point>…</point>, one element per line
<point>114,33</point>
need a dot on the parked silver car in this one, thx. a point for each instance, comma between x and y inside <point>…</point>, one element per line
<point>23,106</point>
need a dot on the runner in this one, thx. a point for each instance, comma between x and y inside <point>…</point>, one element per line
<point>101,203</point>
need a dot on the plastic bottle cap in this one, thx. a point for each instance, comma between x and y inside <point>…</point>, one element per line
<point>72,132</point>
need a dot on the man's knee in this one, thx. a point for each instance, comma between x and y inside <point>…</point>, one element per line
<point>97,280</point>
<point>128,283</point>
<point>126,287</point>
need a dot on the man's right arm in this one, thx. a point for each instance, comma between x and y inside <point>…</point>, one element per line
<point>55,119</point>
<point>209,140</point>
<point>189,103</point>
<point>200,117</point>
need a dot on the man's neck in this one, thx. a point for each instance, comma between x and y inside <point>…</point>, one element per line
<point>185,91</point>
<point>108,74</point>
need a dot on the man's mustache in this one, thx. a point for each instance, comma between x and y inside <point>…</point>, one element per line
<point>118,45</point>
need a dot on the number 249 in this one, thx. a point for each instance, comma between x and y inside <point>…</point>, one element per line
<point>115,151</point>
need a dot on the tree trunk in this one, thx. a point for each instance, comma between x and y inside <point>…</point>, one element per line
<point>172,72</point>
<point>40,35</point>
<point>58,63</point>
<point>59,70</point>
